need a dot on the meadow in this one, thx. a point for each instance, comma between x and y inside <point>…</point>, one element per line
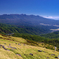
<point>17,48</point>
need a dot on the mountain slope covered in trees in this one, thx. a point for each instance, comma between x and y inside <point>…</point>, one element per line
<point>6,29</point>
<point>54,35</point>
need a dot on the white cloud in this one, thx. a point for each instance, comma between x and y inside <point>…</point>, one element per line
<point>52,17</point>
<point>45,24</point>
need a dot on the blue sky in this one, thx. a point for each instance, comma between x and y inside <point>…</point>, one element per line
<point>45,8</point>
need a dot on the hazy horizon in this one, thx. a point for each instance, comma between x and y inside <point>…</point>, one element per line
<point>45,8</point>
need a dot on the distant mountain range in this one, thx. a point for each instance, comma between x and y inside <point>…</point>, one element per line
<point>27,20</point>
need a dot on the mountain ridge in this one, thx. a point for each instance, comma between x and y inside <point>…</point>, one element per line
<point>24,20</point>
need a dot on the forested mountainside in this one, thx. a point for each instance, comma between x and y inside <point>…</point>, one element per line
<point>6,29</point>
<point>54,35</point>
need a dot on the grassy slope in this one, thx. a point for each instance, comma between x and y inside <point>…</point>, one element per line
<point>23,49</point>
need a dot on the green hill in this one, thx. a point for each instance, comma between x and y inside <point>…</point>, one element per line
<point>6,29</point>
<point>53,35</point>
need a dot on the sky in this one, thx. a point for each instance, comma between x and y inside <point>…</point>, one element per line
<point>44,8</point>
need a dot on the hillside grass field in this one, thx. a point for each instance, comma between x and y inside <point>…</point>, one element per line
<point>17,48</point>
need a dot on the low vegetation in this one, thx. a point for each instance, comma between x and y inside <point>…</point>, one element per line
<point>20,48</point>
<point>39,39</point>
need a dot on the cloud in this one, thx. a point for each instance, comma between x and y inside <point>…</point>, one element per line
<point>45,24</point>
<point>52,17</point>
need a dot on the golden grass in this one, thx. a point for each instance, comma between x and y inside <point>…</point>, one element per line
<point>24,50</point>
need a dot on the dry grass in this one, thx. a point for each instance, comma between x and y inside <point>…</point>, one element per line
<point>24,50</point>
